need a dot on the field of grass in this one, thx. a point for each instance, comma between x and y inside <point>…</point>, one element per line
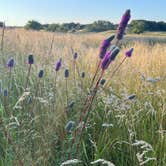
<point>40,125</point>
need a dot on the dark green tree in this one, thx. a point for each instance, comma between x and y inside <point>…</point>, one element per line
<point>33,25</point>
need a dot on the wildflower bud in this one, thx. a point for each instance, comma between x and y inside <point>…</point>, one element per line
<point>104,46</point>
<point>102,82</point>
<point>83,74</point>
<point>131,97</point>
<point>66,73</point>
<point>29,100</point>
<point>10,63</point>
<point>114,53</point>
<point>30,59</point>
<point>69,126</point>
<point>5,92</point>
<point>58,64</point>
<point>71,104</point>
<point>123,24</point>
<point>129,52</point>
<point>109,57</point>
<point>75,56</point>
<point>41,72</point>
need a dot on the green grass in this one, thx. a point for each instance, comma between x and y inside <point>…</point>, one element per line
<point>32,123</point>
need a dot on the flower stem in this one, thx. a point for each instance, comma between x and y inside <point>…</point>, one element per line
<point>67,101</point>
<point>97,69</point>
<point>87,110</point>
<point>29,71</point>
<point>117,68</point>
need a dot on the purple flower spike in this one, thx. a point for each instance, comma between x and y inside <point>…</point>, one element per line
<point>105,61</point>
<point>109,57</point>
<point>114,54</point>
<point>104,46</point>
<point>58,64</point>
<point>123,24</point>
<point>75,55</point>
<point>30,59</point>
<point>129,52</point>
<point>41,73</point>
<point>10,63</point>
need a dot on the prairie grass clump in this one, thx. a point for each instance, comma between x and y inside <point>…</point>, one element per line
<point>99,104</point>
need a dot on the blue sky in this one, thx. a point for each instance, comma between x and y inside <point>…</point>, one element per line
<point>18,12</point>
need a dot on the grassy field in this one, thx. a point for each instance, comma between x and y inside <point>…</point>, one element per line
<point>125,124</point>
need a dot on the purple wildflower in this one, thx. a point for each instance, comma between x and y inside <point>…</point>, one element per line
<point>10,63</point>
<point>75,55</point>
<point>109,57</point>
<point>105,60</point>
<point>104,46</point>
<point>123,24</point>
<point>66,73</point>
<point>129,52</point>
<point>58,64</point>
<point>30,59</point>
<point>114,54</point>
<point>41,72</point>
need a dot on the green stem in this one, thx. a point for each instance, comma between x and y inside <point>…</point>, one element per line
<point>29,71</point>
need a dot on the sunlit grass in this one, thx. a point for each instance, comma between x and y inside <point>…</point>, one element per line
<point>37,121</point>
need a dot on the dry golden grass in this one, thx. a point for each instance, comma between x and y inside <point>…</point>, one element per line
<point>147,60</point>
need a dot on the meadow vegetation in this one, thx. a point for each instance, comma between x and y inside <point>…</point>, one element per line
<point>39,113</point>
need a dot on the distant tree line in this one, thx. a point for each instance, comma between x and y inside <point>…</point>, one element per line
<point>136,26</point>
<point>96,26</point>
<point>139,26</point>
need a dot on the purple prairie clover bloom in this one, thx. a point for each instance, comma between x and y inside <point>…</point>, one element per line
<point>105,61</point>
<point>30,59</point>
<point>104,46</point>
<point>123,24</point>
<point>10,63</point>
<point>58,64</point>
<point>109,57</point>
<point>129,52</point>
<point>66,73</point>
<point>114,53</point>
<point>41,73</point>
<point>75,56</point>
